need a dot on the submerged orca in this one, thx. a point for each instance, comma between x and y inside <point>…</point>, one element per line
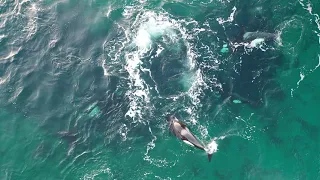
<point>180,130</point>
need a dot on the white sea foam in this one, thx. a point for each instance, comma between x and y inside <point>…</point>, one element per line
<point>153,28</point>
<point>32,25</point>
<point>151,145</point>
<point>194,93</point>
<point>136,43</point>
<point>15,94</point>
<point>316,67</point>
<point>147,27</point>
<point>308,7</point>
<point>143,40</point>
<point>159,50</point>
<point>230,18</point>
<point>303,74</point>
<point>301,78</point>
<point>91,175</point>
<point>212,147</point>
<point>5,78</point>
<point>107,14</point>
<point>123,131</point>
<point>114,48</point>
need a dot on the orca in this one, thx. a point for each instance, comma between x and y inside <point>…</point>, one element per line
<point>181,131</point>
<point>250,36</point>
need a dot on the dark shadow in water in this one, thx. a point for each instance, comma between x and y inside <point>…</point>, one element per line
<point>253,16</point>
<point>169,67</point>
<point>249,76</point>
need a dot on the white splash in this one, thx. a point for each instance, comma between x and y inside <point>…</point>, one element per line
<point>153,28</point>
<point>212,147</point>
<point>143,40</point>
<point>256,42</point>
<point>159,50</point>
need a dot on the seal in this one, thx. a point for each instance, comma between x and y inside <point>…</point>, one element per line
<point>181,131</point>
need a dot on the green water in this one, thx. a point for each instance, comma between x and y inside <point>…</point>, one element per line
<point>85,86</point>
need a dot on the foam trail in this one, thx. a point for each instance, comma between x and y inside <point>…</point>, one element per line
<point>31,27</point>
<point>303,75</point>
<point>301,79</point>
<point>308,7</point>
<point>317,64</point>
<point>151,145</point>
<point>147,27</point>
<point>230,18</point>
<point>5,78</point>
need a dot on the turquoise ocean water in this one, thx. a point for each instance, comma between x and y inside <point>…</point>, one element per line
<point>85,86</point>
